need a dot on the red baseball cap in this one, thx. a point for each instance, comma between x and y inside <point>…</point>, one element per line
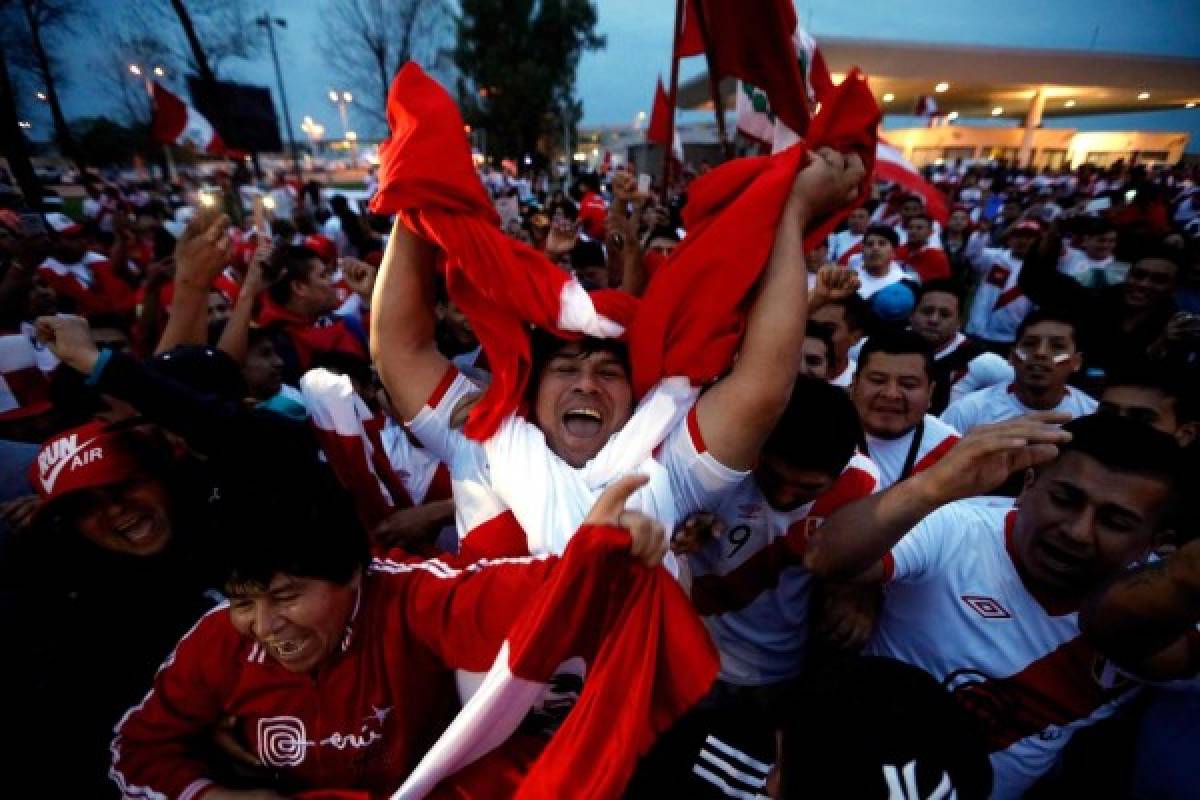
<point>323,246</point>
<point>81,458</point>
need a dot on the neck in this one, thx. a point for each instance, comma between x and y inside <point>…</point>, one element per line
<point>879,271</point>
<point>1040,399</point>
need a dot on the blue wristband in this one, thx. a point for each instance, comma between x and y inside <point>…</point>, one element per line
<point>98,368</point>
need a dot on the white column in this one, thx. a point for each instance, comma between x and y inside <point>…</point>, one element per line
<point>1032,120</point>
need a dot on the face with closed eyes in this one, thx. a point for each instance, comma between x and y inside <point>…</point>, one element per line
<point>583,398</point>
<point>299,621</point>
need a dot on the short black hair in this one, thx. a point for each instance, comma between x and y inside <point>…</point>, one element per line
<point>945,286</point>
<point>1049,315</point>
<point>312,532</point>
<point>1151,375</point>
<point>819,429</point>
<point>822,332</point>
<point>288,263</point>
<point>897,343</point>
<point>856,311</point>
<point>1125,445</point>
<point>587,253</point>
<point>884,232</point>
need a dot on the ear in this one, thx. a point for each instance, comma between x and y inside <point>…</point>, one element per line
<point>1027,482</point>
<point>1186,433</point>
<point>1076,362</point>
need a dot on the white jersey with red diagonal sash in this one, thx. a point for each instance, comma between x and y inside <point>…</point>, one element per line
<point>956,606</point>
<point>890,455</point>
<point>999,304</point>
<point>750,585</point>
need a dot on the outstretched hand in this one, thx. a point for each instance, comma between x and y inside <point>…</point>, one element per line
<point>648,537</point>
<point>987,455</point>
<point>203,250</point>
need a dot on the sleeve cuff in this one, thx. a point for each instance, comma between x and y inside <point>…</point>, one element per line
<point>102,360</point>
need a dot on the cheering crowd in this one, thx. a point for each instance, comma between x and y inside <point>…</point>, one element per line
<point>304,499</point>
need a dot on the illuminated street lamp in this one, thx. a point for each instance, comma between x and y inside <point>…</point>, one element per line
<point>342,99</point>
<point>135,70</point>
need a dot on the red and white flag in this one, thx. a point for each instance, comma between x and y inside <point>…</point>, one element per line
<point>891,165</point>
<point>648,659</point>
<point>175,122</point>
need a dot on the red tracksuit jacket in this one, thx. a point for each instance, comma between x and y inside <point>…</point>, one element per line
<point>364,720</point>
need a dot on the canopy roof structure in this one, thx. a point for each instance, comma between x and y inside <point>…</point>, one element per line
<point>1001,82</point>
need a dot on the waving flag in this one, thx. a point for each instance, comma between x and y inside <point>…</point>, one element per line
<point>891,165</point>
<point>661,131</point>
<point>175,122</point>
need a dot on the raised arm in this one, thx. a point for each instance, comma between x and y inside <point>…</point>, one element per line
<point>737,414</point>
<point>402,322</point>
<point>202,252</point>
<point>1042,283</point>
<point>1146,619</point>
<point>851,544</point>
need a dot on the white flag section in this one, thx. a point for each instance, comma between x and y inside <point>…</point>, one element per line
<point>196,131</point>
<point>176,122</point>
<point>755,118</point>
<point>892,166</point>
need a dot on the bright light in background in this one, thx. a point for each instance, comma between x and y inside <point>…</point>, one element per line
<point>952,115</point>
<point>1189,105</point>
<point>1143,95</point>
<point>159,71</point>
<point>41,96</point>
<point>889,97</point>
<point>347,97</point>
<point>1069,104</point>
<point>528,160</point>
<point>580,157</point>
<point>25,124</point>
<point>135,69</point>
<point>333,96</point>
<point>997,111</point>
<point>941,87</point>
<point>351,136</point>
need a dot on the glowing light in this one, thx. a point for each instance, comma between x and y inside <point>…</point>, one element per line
<point>1143,95</point>
<point>135,69</point>
<point>997,111</point>
<point>1069,104</point>
<point>941,87</point>
<point>889,97</point>
<point>1189,105</point>
<point>952,115</point>
<point>333,96</point>
<point>160,72</point>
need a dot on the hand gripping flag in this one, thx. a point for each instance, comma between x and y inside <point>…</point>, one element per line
<point>649,659</point>
<point>687,325</point>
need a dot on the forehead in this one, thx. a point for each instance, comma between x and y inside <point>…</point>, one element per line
<point>279,582</point>
<point>1050,329</point>
<point>876,239</point>
<point>574,351</point>
<point>899,364</point>
<point>1141,396</point>
<point>1144,495</point>
<point>938,300</point>
<point>1157,266</point>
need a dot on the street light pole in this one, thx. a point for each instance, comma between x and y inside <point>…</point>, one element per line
<point>268,22</point>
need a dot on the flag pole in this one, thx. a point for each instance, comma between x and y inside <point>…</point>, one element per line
<point>168,160</point>
<point>714,82</point>
<point>668,147</point>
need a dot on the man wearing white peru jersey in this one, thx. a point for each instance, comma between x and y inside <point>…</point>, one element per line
<point>984,596</point>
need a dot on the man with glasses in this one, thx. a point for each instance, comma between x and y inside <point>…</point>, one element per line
<point>1044,358</point>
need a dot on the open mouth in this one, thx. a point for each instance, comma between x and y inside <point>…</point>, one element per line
<point>289,650</point>
<point>583,423</point>
<point>136,528</point>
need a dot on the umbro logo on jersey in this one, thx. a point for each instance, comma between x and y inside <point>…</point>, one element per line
<point>986,607</point>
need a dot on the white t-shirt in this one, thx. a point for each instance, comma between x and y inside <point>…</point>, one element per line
<point>844,378</point>
<point>1090,272</point>
<point>890,455</point>
<point>984,370</point>
<point>870,284</point>
<point>750,585</point>
<point>684,476</point>
<point>998,403</point>
<point>841,242</point>
<point>999,304</point>
<point>955,606</point>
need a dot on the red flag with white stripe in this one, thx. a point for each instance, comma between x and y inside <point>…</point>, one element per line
<point>891,165</point>
<point>175,122</point>
<point>648,659</point>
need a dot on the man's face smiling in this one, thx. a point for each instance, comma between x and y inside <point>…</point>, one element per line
<point>583,398</point>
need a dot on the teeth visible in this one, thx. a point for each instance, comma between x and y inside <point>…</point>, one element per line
<point>586,412</point>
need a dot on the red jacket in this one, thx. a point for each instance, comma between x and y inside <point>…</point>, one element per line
<point>364,720</point>
<point>930,263</point>
<point>311,338</point>
<point>92,285</point>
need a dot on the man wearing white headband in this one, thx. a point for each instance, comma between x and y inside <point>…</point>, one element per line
<point>1044,357</point>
